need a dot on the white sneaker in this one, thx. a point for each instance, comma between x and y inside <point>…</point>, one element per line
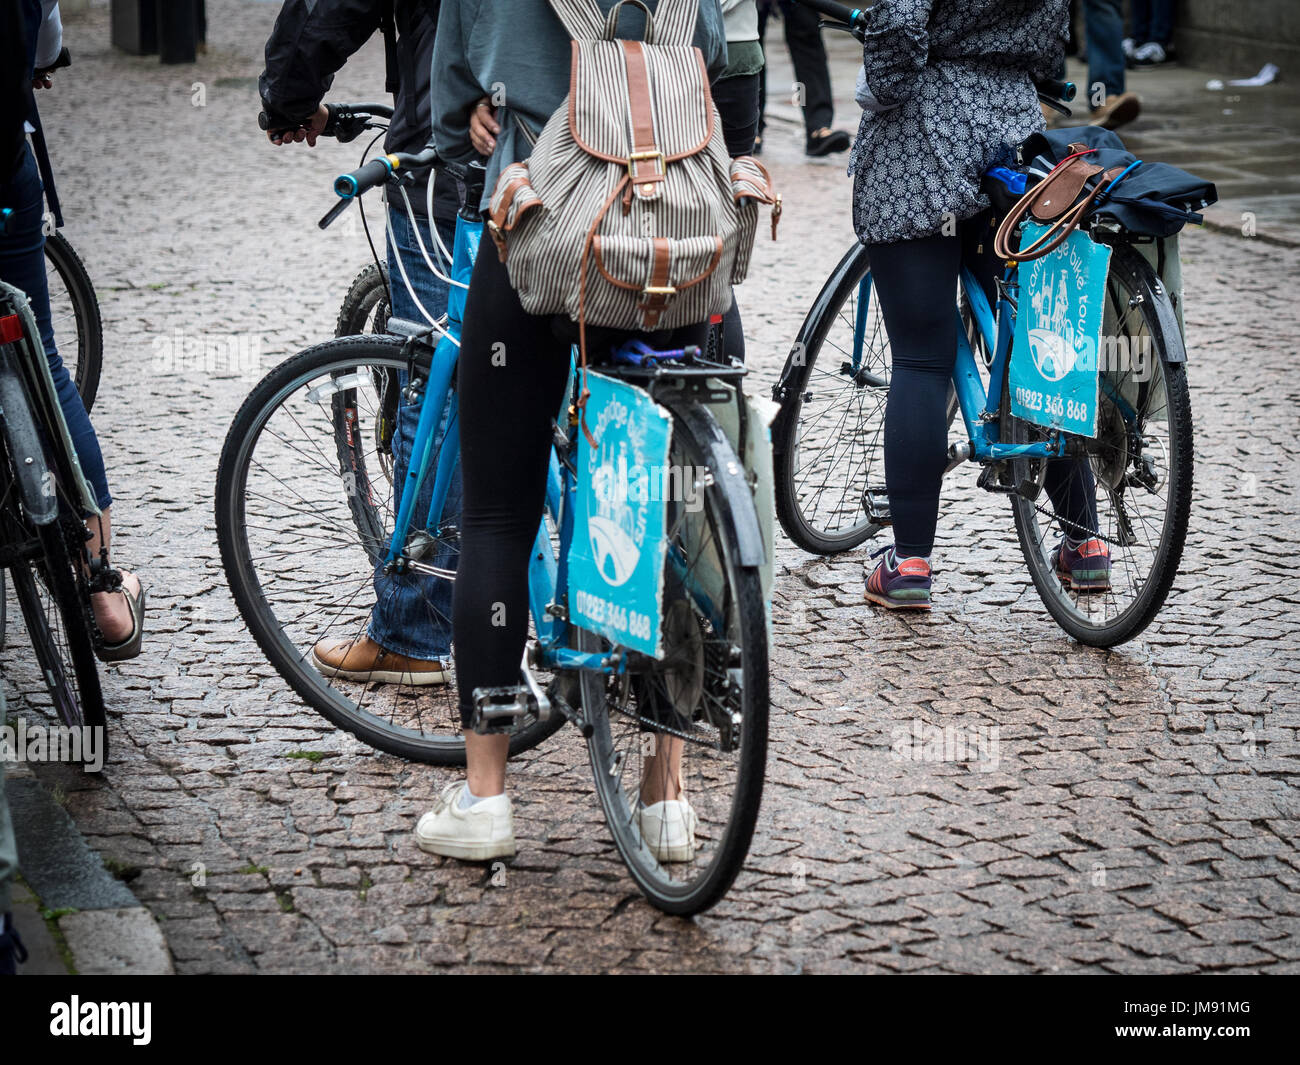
<point>1150,54</point>
<point>668,829</point>
<point>483,830</point>
<point>1129,45</point>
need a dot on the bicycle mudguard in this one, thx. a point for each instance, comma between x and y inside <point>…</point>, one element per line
<point>30,361</point>
<point>23,442</point>
<point>1130,263</point>
<point>728,478</point>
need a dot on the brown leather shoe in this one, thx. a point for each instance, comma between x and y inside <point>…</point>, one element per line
<point>364,660</point>
<point>1117,111</point>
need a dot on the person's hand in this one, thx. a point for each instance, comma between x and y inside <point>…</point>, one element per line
<point>483,127</point>
<point>44,79</point>
<point>308,131</point>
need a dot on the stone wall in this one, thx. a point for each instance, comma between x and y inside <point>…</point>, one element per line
<point>1238,37</point>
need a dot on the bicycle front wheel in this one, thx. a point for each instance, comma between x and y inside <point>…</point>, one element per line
<point>74,311</point>
<point>1137,470</point>
<point>304,524</point>
<point>696,720</point>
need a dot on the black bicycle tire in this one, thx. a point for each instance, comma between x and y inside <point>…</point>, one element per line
<point>692,424</point>
<point>58,565</point>
<point>85,305</point>
<point>1147,605</point>
<point>368,289</point>
<point>245,588</point>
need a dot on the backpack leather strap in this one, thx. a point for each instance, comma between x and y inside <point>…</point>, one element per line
<point>645,163</point>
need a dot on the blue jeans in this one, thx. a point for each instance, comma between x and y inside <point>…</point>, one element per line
<point>22,264</point>
<point>1104,23</point>
<point>412,614</point>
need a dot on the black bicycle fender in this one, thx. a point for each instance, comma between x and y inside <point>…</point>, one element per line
<point>728,478</point>
<point>24,443</point>
<point>1140,277</point>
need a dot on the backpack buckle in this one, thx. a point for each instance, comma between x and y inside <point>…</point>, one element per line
<point>638,177</point>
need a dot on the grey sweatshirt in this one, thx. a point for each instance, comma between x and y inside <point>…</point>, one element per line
<point>517,55</point>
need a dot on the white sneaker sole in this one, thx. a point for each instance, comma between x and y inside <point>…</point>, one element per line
<point>470,852</point>
<point>423,679</point>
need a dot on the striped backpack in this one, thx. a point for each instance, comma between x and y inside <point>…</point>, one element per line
<point>629,212</point>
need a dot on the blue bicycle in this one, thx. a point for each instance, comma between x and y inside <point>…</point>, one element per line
<point>318,516</point>
<point>1137,468</point>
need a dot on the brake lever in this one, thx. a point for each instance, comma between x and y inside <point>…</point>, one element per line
<point>1055,105</point>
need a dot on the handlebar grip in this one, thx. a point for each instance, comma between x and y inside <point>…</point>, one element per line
<point>1058,90</point>
<point>374,173</point>
<point>850,16</point>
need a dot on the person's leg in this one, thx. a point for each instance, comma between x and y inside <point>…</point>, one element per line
<point>506,407</point>
<point>1161,28</point>
<point>1141,22</point>
<point>412,614</point>
<point>803,35</point>
<point>916,283</point>
<point>1104,21</point>
<point>22,264</point>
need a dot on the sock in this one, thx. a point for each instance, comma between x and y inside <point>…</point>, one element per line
<point>1072,543</point>
<point>468,798</point>
<point>893,558</point>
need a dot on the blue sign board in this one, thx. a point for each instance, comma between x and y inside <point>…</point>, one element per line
<point>1053,378</point>
<point>616,558</point>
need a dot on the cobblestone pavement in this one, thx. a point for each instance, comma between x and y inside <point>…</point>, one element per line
<point>1140,814</point>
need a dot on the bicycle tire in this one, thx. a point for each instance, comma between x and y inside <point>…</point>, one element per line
<point>259,614</point>
<point>82,706</point>
<point>366,307</point>
<point>85,309</point>
<point>1134,273</point>
<point>703,446</point>
<point>809,362</point>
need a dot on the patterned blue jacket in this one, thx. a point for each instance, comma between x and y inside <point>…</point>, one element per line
<point>949,92</point>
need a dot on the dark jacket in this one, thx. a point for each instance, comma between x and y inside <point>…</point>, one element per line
<point>311,41</point>
<point>949,92</point>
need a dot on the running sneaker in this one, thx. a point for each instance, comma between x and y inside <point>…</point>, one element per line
<point>1083,567</point>
<point>899,585</point>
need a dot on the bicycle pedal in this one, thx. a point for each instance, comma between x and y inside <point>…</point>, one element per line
<point>498,710</point>
<point>875,502</point>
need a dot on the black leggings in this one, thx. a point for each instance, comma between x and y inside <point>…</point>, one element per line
<point>512,372</point>
<point>916,283</point>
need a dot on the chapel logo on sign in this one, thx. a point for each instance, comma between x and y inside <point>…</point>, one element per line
<point>1055,346</point>
<point>617,528</point>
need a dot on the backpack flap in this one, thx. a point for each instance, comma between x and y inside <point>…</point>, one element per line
<point>659,268</point>
<point>648,127</point>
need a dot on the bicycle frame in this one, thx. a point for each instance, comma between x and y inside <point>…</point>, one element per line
<point>546,573</point>
<point>979,406</point>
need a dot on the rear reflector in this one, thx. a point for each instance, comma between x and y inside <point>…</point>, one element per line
<point>11,329</point>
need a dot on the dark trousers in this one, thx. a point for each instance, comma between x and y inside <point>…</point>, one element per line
<point>511,375</point>
<point>737,100</point>
<point>803,36</point>
<point>916,283</point>
<point>1153,20</point>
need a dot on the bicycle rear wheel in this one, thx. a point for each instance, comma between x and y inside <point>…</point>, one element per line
<point>74,310</point>
<point>1141,467</point>
<point>707,696</point>
<point>303,520</point>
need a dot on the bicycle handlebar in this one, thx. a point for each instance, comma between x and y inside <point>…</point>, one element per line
<point>376,172</point>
